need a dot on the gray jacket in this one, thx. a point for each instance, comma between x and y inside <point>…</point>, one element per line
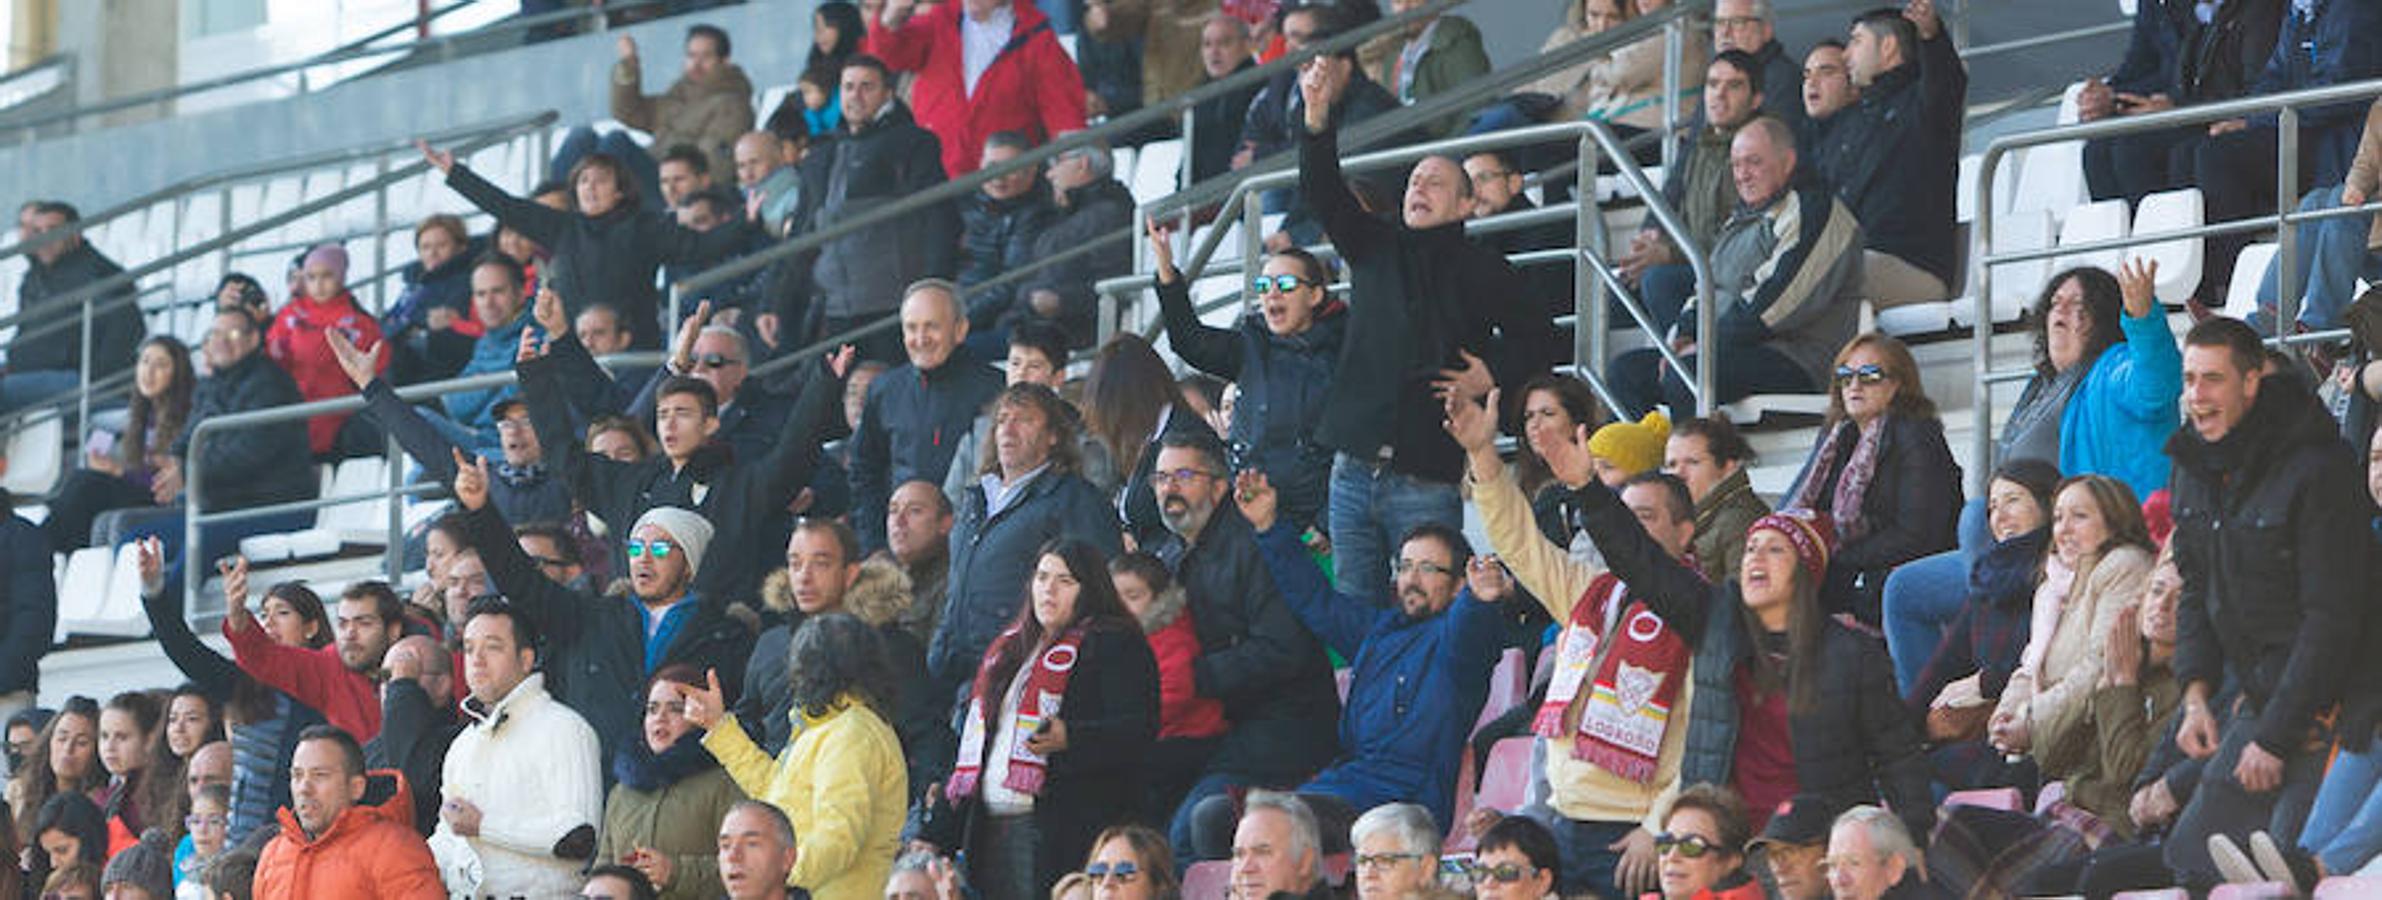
<point>1784,274</point>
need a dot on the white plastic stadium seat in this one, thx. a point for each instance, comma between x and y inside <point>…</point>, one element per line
<point>36,456</point>
<point>1158,170</point>
<point>2051,177</point>
<point>2090,222</point>
<point>2014,284</point>
<point>83,589</point>
<point>2179,260</point>
<point>2241,297</point>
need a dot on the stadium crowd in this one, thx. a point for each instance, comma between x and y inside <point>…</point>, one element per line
<point>1038,636</point>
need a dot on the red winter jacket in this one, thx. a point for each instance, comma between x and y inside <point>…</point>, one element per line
<point>1032,87</point>
<point>1182,713</point>
<point>296,343</point>
<point>312,676</point>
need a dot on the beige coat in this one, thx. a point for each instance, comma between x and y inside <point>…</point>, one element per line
<point>709,116</point>
<point>1624,87</point>
<point>1169,32</point>
<point>2053,690</point>
<point>2365,172</point>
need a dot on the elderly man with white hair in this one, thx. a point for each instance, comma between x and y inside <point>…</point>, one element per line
<point>1871,857</point>
<point>1397,853</point>
<point>1277,850</point>
<point>1091,203</point>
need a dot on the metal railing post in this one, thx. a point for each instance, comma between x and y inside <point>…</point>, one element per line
<point>1674,44</point>
<point>380,234</point>
<point>1252,244</point>
<point>1184,172</point>
<point>1589,323</point>
<point>393,558</point>
<point>1981,330</point>
<point>2286,201</point>
<point>83,396</point>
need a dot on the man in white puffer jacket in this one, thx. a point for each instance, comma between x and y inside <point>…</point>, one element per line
<point>522,784</point>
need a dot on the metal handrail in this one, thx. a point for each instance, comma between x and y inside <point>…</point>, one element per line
<point>1225,185</point>
<point>29,126</point>
<point>87,298</point>
<point>194,474</point>
<point>2286,108</point>
<point>253,172</point>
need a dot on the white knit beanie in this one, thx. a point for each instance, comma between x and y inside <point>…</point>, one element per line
<point>691,531</point>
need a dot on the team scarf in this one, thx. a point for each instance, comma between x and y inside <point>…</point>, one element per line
<point>1635,685</point>
<point>1045,691</point>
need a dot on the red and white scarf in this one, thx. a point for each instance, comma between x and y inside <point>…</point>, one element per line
<point>1045,691</point>
<point>1636,683</point>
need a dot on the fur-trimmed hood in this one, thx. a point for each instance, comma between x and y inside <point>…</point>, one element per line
<point>1164,609</point>
<point>878,596</point>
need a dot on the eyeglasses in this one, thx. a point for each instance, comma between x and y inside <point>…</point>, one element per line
<point>1735,22</point>
<point>1503,873</point>
<point>660,549</point>
<point>717,361</point>
<point>1276,284</point>
<point>1404,566</point>
<point>1869,374</point>
<point>1690,846</point>
<point>195,821</point>
<point>1185,477</point>
<point>1121,872</point>
<point>1384,860</point>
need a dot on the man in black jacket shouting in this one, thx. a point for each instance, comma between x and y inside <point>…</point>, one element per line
<point>2271,542</point>
<point>1426,308</point>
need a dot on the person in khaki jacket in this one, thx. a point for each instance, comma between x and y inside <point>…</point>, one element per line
<point>708,107</point>
<point>2334,253</point>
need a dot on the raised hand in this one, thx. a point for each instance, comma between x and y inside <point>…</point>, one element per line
<point>1570,460</point>
<point>530,347</point>
<point>1469,423</point>
<point>839,363</point>
<point>1161,235</point>
<point>150,552</point>
<point>1473,381</point>
<point>704,706</point>
<point>235,593</point>
<point>359,365</point>
<point>1488,579</point>
<point>442,160</point>
<point>2137,282</point>
<point>625,48</point>
<point>2122,659</point>
<point>682,354</point>
<point>471,481</point>
<point>1258,500</point>
<point>1322,81</point>
<point>1922,13</point>
<point>548,312</point>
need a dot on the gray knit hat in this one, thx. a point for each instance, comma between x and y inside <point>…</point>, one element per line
<point>148,865</point>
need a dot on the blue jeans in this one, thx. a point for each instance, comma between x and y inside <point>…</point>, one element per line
<point>1639,379</point>
<point>2331,256</point>
<point>1371,506</point>
<point>581,141</point>
<point>1924,595</point>
<point>1588,864</point>
<point>22,389</point>
<point>1664,290</point>
<point>2345,829</point>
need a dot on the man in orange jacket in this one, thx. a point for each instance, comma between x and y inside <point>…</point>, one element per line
<point>345,832</point>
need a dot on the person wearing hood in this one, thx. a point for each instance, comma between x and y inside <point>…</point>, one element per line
<point>668,797</point>
<point>825,574</point>
<point>344,833</point>
<point>523,782</point>
<point>841,781</point>
<point>1281,354</point>
<point>608,244</point>
<point>982,66</point>
<point>706,108</point>
<point>297,342</point>
<point>603,648</point>
<point>431,324</point>
<point>1091,202</point>
<point>2271,541</point>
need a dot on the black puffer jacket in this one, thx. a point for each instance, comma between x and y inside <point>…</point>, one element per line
<point>1892,157</point>
<point>863,273</point>
<point>2271,539</point>
<point>1283,379</point>
<point>1857,744</point>
<point>997,236</point>
<point>1093,211</point>
<point>1912,509</point>
<point>115,333</point>
<point>612,257</point>
<point>1415,298</point>
<point>246,467</point>
<point>1256,656</point>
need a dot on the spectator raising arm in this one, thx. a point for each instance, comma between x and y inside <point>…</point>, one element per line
<point>314,677</point>
<point>1216,351</point>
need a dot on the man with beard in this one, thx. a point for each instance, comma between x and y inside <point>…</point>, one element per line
<point>1420,669</point>
<point>337,680</point>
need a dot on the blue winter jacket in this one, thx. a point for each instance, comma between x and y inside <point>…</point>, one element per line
<point>2119,419</point>
<point>1415,692</point>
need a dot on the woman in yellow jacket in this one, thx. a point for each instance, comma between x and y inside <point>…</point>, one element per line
<point>841,778</point>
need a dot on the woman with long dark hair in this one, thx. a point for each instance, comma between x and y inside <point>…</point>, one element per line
<point>1966,675</point>
<point>117,468</point>
<point>605,245</point>
<point>65,760</point>
<point>841,779</point>
<point>1064,706</point>
<point>1882,474</point>
<point>262,723</point>
<point>1131,403</point>
<point>67,830</point>
<point>142,788</point>
<point>669,795</point>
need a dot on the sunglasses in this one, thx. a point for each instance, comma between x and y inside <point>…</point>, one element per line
<point>1276,284</point>
<point>1122,872</point>
<point>717,361</point>
<point>1692,846</point>
<point>1869,374</point>
<point>660,549</point>
<point>1503,873</point>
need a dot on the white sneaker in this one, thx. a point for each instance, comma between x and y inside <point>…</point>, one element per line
<point>2270,859</point>
<point>2231,863</point>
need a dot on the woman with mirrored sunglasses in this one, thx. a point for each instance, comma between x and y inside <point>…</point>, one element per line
<point>1881,472</point>
<point>1280,353</point>
<point>1702,847</point>
<point>1132,862</point>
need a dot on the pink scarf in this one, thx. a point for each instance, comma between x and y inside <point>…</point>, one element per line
<point>1851,487</point>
